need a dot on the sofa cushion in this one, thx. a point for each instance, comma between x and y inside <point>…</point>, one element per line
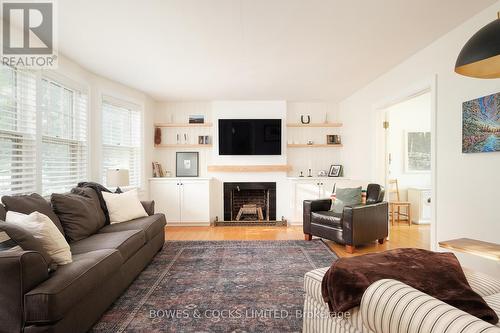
<point>127,242</point>
<point>327,218</point>
<point>151,225</point>
<point>3,212</point>
<point>24,239</point>
<point>80,214</point>
<point>28,204</point>
<point>52,299</point>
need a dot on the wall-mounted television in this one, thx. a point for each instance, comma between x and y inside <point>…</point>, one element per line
<point>249,136</point>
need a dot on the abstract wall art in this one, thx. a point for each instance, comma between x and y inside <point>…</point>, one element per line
<point>481,124</point>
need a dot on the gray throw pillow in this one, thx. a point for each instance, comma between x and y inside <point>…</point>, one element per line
<point>81,216</point>
<point>27,204</point>
<point>25,240</point>
<point>346,197</point>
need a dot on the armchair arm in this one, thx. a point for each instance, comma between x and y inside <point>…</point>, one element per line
<point>365,223</point>
<point>149,207</point>
<point>19,273</point>
<point>310,206</point>
<point>390,306</point>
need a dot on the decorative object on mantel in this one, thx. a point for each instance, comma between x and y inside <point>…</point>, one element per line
<point>186,164</point>
<point>196,119</point>
<point>333,139</point>
<point>305,120</point>
<point>301,174</point>
<point>309,173</point>
<point>157,136</point>
<point>322,173</point>
<point>472,246</point>
<point>335,170</point>
<point>157,170</point>
<point>480,56</point>
<point>481,124</point>
<point>310,142</point>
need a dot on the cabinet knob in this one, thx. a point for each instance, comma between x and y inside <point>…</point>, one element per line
<point>429,200</point>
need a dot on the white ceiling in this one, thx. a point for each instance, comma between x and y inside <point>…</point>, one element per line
<point>252,49</point>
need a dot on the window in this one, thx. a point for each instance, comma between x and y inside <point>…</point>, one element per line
<point>43,139</point>
<point>18,168</point>
<point>64,137</point>
<point>121,139</point>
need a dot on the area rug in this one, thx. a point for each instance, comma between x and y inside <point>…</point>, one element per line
<point>219,286</point>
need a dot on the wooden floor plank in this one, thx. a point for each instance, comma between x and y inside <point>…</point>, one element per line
<point>401,236</point>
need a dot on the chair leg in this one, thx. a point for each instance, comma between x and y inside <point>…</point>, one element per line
<point>350,248</point>
<point>308,237</point>
<point>381,240</point>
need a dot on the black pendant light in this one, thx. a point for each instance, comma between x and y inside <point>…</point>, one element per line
<point>480,56</point>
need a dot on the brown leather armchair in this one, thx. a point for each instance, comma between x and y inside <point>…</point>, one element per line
<point>355,226</point>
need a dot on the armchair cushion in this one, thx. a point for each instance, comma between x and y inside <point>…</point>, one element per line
<point>327,218</point>
<point>346,197</point>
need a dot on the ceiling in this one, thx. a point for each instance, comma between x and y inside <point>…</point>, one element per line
<point>299,50</point>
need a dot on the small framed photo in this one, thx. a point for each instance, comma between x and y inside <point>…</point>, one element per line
<point>186,164</point>
<point>201,140</point>
<point>196,119</point>
<point>333,139</point>
<point>335,171</point>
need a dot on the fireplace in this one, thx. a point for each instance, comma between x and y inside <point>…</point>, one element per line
<point>250,201</point>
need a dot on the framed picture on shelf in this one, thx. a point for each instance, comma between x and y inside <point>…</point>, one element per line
<point>335,170</point>
<point>196,119</point>
<point>333,139</point>
<point>186,164</point>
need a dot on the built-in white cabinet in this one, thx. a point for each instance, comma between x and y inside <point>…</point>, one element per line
<point>420,200</point>
<point>184,201</point>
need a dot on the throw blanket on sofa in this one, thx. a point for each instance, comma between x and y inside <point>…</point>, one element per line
<point>98,188</point>
<point>436,274</point>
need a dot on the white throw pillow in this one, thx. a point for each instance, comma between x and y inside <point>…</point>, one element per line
<point>123,206</point>
<point>43,229</point>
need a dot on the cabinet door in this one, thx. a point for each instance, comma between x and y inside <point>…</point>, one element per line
<point>167,199</point>
<point>195,201</point>
<point>304,191</point>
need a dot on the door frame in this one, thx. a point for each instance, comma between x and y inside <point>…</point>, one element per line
<point>428,86</point>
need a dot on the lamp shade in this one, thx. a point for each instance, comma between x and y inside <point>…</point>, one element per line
<point>480,56</point>
<point>117,177</point>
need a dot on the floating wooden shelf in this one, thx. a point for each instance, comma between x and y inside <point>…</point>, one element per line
<point>316,125</point>
<point>183,125</point>
<point>472,246</point>
<point>249,168</point>
<point>305,145</point>
<point>183,146</point>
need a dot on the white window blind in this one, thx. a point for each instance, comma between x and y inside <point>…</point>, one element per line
<point>64,137</point>
<point>121,139</point>
<point>18,167</point>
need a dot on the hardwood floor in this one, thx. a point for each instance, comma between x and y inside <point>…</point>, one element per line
<point>400,236</point>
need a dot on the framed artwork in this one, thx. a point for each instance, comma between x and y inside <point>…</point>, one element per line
<point>186,164</point>
<point>335,170</point>
<point>481,124</point>
<point>196,119</point>
<point>418,152</point>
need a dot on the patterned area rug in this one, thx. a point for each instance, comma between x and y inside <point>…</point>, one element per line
<point>222,286</point>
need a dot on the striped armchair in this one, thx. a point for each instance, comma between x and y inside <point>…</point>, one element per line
<point>390,306</point>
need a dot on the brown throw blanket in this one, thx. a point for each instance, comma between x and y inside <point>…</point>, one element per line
<point>436,274</point>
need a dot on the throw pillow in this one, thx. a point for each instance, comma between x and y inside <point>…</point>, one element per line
<point>24,239</point>
<point>3,213</point>
<point>27,204</point>
<point>43,229</point>
<point>346,197</point>
<point>124,206</point>
<point>80,213</point>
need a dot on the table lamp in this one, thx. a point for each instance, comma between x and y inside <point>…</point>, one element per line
<point>117,177</point>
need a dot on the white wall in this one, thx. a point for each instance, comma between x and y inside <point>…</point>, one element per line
<point>97,87</point>
<point>413,115</point>
<point>467,184</point>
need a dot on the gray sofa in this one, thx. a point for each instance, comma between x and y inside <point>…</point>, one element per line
<point>73,297</point>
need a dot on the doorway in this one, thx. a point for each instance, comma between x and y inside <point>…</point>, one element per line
<point>408,161</point>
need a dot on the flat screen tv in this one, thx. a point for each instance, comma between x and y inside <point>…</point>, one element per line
<point>249,136</point>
